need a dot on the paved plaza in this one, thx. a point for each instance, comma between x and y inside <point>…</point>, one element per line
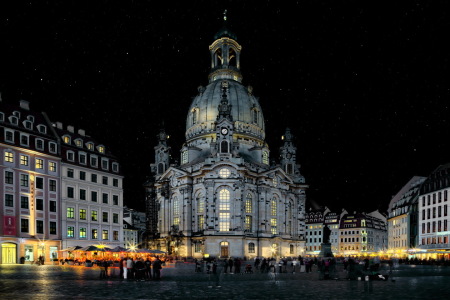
<point>181,282</point>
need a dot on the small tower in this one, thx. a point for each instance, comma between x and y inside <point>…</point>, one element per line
<point>288,153</point>
<point>162,154</point>
<point>225,55</point>
<point>224,126</point>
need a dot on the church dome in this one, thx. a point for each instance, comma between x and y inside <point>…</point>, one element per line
<point>246,112</point>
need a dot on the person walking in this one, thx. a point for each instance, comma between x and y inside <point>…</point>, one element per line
<point>121,267</point>
<point>157,269</point>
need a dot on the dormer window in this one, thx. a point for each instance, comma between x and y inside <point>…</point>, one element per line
<point>78,142</point>
<point>16,114</point>
<point>66,139</point>
<point>42,128</point>
<point>14,120</point>
<point>115,167</point>
<point>30,118</point>
<point>90,146</point>
<point>28,124</point>
<point>101,149</point>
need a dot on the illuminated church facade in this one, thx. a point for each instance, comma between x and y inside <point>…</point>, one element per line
<point>225,198</point>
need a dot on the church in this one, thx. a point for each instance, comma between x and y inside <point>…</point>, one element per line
<point>225,198</point>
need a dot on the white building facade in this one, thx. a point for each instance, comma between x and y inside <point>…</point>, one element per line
<point>434,232</point>
<point>92,193</point>
<point>225,199</point>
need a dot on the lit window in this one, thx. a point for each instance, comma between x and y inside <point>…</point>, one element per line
<point>248,204</point>
<point>94,234</point>
<point>251,248</point>
<point>104,234</point>
<point>176,221</point>
<point>90,146</point>
<point>70,231</point>
<point>176,206</point>
<point>70,213</point>
<point>115,235</point>
<point>248,223</point>
<point>66,139</point>
<point>82,214</point>
<point>200,222</point>
<point>200,204</point>
<point>9,157</point>
<point>82,233</point>
<point>224,221</point>
<point>184,157</point>
<point>224,173</point>
<point>224,199</point>
<point>52,166</point>
<point>78,143</point>
<point>101,149</point>
<point>94,215</point>
<point>39,163</point>
<point>273,226</point>
<point>24,160</point>
<point>265,157</point>
<point>273,207</point>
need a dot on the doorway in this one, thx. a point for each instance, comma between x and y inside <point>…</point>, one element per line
<point>9,253</point>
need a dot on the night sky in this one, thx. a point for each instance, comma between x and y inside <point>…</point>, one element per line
<point>364,88</point>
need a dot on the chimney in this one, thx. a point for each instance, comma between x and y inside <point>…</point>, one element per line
<point>81,132</point>
<point>70,128</point>
<point>59,125</point>
<point>25,104</point>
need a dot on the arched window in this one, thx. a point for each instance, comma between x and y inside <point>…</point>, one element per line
<point>224,249</point>
<point>273,207</point>
<point>176,206</point>
<point>224,147</point>
<point>291,249</point>
<point>218,57</point>
<point>251,248</point>
<point>184,157</point>
<point>200,204</point>
<point>194,113</point>
<point>231,57</point>
<point>248,204</point>
<point>224,207</point>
